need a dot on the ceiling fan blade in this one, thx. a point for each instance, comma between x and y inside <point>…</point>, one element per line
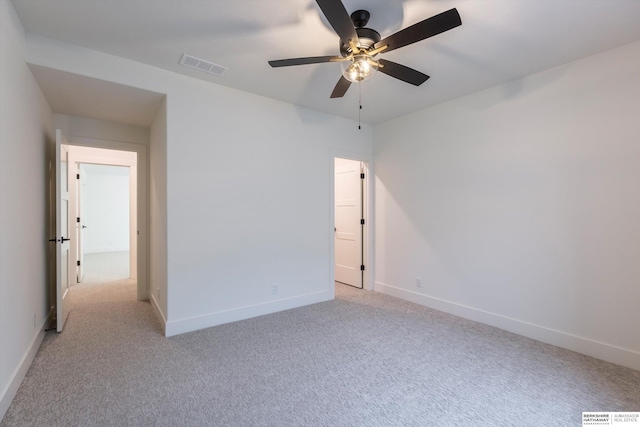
<point>341,88</point>
<point>304,61</point>
<point>401,72</point>
<point>339,19</point>
<point>422,30</point>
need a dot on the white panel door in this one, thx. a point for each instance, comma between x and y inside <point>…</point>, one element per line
<point>348,214</point>
<point>82,214</point>
<point>63,259</point>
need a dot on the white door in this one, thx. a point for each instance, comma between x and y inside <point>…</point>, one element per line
<point>63,258</point>
<point>82,224</point>
<point>348,216</point>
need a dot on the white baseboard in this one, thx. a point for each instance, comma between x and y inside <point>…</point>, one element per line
<point>159,313</point>
<point>599,350</point>
<point>181,326</point>
<point>21,371</point>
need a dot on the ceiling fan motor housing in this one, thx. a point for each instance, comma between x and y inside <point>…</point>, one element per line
<point>366,38</point>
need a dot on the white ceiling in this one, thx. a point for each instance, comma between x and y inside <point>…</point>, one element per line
<point>499,41</point>
<point>87,97</point>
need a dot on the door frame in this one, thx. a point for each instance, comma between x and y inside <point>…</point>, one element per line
<point>80,208</point>
<point>348,178</point>
<point>142,205</point>
<point>367,232</point>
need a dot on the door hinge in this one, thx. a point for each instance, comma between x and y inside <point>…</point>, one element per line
<point>77,219</point>
<point>361,176</point>
<point>362,267</point>
<point>78,263</point>
<point>362,221</point>
<point>77,176</point>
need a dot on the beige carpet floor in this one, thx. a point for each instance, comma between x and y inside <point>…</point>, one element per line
<point>365,359</point>
<point>104,267</point>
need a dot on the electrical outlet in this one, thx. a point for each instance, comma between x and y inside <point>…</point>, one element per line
<point>274,289</point>
<point>418,282</point>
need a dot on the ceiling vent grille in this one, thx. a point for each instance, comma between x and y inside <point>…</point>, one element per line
<point>202,65</point>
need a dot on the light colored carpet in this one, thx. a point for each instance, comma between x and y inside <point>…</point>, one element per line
<point>365,359</point>
<point>105,267</point>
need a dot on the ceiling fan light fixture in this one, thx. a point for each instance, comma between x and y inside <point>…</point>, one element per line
<point>359,69</point>
<point>359,45</point>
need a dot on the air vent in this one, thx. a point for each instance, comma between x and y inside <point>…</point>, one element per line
<point>202,65</point>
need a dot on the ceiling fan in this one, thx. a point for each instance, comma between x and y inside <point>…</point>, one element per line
<point>360,45</point>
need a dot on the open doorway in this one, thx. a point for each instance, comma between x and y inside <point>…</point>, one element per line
<point>350,220</point>
<point>103,225</point>
<point>104,212</point>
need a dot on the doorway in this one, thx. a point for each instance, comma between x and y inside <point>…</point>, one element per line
<point>104,208</point>
<point>100,162</point>
<point>349,229</point>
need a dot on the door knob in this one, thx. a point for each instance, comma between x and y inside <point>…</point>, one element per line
<point>62,240</point>
<point>84,226</point>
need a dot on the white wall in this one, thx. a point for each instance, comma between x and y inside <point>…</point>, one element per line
<point>82,127</point>
<point>519,206</point>
<point>248,183</point>
<point>247,191</point>
<point>158,212</point>
<point>25,143</point>
<point>107,208</point>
